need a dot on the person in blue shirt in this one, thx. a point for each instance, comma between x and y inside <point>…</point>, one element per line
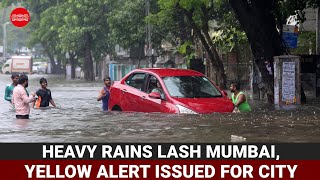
<point>104,93</point>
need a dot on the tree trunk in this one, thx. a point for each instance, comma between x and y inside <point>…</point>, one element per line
<point>60,66</point>
<point>73,62</point>
<point>51,58</point>
<point>88,63</point>
<point>213,55</point>
<point>141,49</point>
<point>259,23</point>
<point>183,27</point>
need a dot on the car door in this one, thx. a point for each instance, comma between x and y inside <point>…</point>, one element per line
<point>132,92</point>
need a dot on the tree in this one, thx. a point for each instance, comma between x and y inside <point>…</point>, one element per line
<point>16,37</point>
<point>306,43</point>
<point>86,31</point>
<point>259,21</point>
<point>127,25</point>
<point>44,24</point>
<point>51,22</point>
<point>199,15</point>
<point>170,24</point>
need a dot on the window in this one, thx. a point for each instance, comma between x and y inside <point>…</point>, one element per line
<point>154,86</point>
<point>137,81</point>
<point>191,87</point>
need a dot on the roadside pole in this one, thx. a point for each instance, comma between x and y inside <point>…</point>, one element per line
<point>318,31</point>
<point>148,32</point>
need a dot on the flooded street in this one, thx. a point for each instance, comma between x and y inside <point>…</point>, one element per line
<point>79,118</point>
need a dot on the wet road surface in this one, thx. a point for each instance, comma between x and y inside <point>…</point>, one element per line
<point>79,118</point>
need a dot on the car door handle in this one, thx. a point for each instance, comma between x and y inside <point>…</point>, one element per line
<point>124,91</point>
<point>143,98</point>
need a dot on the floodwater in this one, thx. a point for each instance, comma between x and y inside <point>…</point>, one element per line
<point>79,118</point>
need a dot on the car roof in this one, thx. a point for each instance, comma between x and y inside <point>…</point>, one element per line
<point>164,72</point>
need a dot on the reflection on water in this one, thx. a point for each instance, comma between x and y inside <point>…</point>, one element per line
<point>78,118</point>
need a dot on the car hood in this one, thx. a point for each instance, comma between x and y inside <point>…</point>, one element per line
<point>207,105</point>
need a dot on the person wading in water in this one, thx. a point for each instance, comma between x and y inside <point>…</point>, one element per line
<point>239,99</point>
<point>104,93</point>
<point>20,99</point>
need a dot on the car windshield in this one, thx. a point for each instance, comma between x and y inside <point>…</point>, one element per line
<point>191,87</point>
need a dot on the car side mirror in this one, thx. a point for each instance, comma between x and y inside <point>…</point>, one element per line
<point>155,95</point>
<point>224,93</point>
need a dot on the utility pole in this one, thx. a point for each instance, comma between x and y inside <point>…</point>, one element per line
<point>148,31</point>
<point>4,49</point>
<point>4,41</point>
<point>318,32</point>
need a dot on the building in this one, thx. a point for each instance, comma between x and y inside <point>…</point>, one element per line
<point>127,60</point>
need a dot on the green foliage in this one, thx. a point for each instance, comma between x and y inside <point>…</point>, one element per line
<point>6,3</point>
<point>285,8</point>
<point>16,37</point>
<point>85,24</point>
<point>183,49</point>
<point>164,26</point>
<point>223,26</point>
<point>63,24</point>
<point>126,21</point>
<point>306,43</point>
<point>226,39</point>
<point>187,49</point>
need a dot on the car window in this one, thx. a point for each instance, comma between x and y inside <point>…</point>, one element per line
<point>7,65</point>
<point>154,86</point>
<point>136,80</point>
<point>191,87</point>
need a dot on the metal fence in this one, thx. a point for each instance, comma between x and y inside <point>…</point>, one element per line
<point>118,71</point>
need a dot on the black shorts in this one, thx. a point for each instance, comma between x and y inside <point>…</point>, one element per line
<point>22,116</point>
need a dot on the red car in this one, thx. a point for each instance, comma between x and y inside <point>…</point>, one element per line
<point>168,91</point>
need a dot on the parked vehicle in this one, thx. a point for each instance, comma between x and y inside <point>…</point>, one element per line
<point>39,67</point>
<point>19,64</point>
<point>168,91</point>
<point>6,67</point>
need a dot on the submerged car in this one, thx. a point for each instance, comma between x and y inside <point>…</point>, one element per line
<point>168,91</point>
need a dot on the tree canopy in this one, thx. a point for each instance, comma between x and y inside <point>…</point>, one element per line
<point>89,30</point>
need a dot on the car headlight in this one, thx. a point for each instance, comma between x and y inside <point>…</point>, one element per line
<point>184,110</point>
